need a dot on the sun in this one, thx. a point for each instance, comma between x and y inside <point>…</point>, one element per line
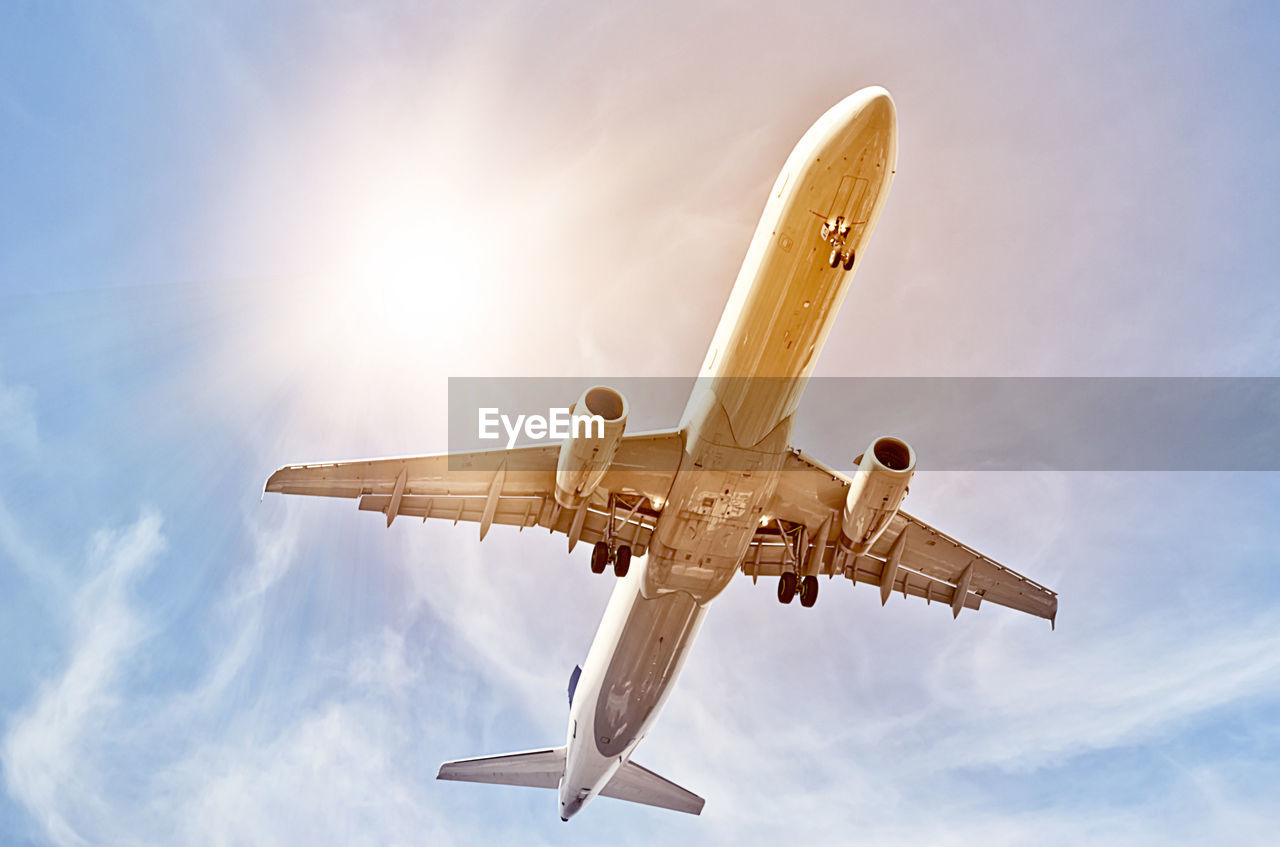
<point>411,270</point>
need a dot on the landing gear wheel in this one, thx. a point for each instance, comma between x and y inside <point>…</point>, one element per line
<point>834,259</point>
<point>809,591</point>
<point>599,557</point>
<point>622,561</point>
<point>848,261</point>
<point>786,586</point>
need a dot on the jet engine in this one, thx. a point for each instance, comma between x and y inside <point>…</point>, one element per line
<point>877,491</point>
<point>595,431</point>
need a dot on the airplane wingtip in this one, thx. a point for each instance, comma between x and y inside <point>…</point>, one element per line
<point>266,485</point>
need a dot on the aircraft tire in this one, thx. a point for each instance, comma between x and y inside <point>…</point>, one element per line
<point>786,586</point>
<point>834,259</point>
<point>809,591</point>
<point>622,562</point>
<point>599,557</point>
<point>848,261</point>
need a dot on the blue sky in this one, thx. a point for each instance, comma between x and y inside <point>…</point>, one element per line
<point>233,237</point>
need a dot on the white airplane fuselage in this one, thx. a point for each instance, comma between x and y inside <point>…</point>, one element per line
<point>736,430</point>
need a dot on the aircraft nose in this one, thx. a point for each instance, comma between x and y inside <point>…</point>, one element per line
<point>878,106</point>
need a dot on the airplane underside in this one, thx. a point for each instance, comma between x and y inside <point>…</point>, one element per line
<point>724,493</point>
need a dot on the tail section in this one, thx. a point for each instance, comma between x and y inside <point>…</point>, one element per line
<point>533,768</point>
<point>544,769</point>
<point>641,785</point>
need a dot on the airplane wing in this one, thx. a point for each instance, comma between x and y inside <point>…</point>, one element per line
<point>515,487</point>
<point>911,557</point>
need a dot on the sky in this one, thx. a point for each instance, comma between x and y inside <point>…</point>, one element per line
<point>234,236</point>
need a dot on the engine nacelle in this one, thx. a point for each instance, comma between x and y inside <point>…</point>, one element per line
<point>877,491</point>
<point>599,418</point>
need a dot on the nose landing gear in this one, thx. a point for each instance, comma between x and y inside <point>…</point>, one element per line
<point>835,231</point>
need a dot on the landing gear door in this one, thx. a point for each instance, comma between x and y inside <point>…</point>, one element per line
<point>848,194</point>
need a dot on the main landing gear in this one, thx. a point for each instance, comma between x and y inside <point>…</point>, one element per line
<point>808,591</point>
<point>834,232</point>
<point>608,551</point>
<point>786,586</point>
<point>602,556</point>
<point>795,544</point>
<point>790,584</point>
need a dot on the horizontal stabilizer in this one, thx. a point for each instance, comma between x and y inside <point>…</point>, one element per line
<point>532,768</point>
<point>641,785</point>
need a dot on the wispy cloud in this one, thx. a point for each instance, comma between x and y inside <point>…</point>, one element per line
<point>100,755</point>
<point>1127,685</point>
<point>51,747</point>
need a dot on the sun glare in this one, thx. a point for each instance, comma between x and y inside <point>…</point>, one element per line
<point>409,274</point>
<point>396,231</point>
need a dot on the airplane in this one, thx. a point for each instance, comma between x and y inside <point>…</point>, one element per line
<point>723,493</point>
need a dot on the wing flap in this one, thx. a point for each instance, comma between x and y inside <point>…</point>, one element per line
<point>522,512</point>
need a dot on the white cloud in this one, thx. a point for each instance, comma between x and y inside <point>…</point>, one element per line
<point>1127,685</point>
<point>338,774</point>
<point>323,753</point>
<point>48,745</point>
<point>383,664</point>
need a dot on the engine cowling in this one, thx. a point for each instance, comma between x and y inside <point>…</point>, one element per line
<point>599,419</point>
<point>877,491</point>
